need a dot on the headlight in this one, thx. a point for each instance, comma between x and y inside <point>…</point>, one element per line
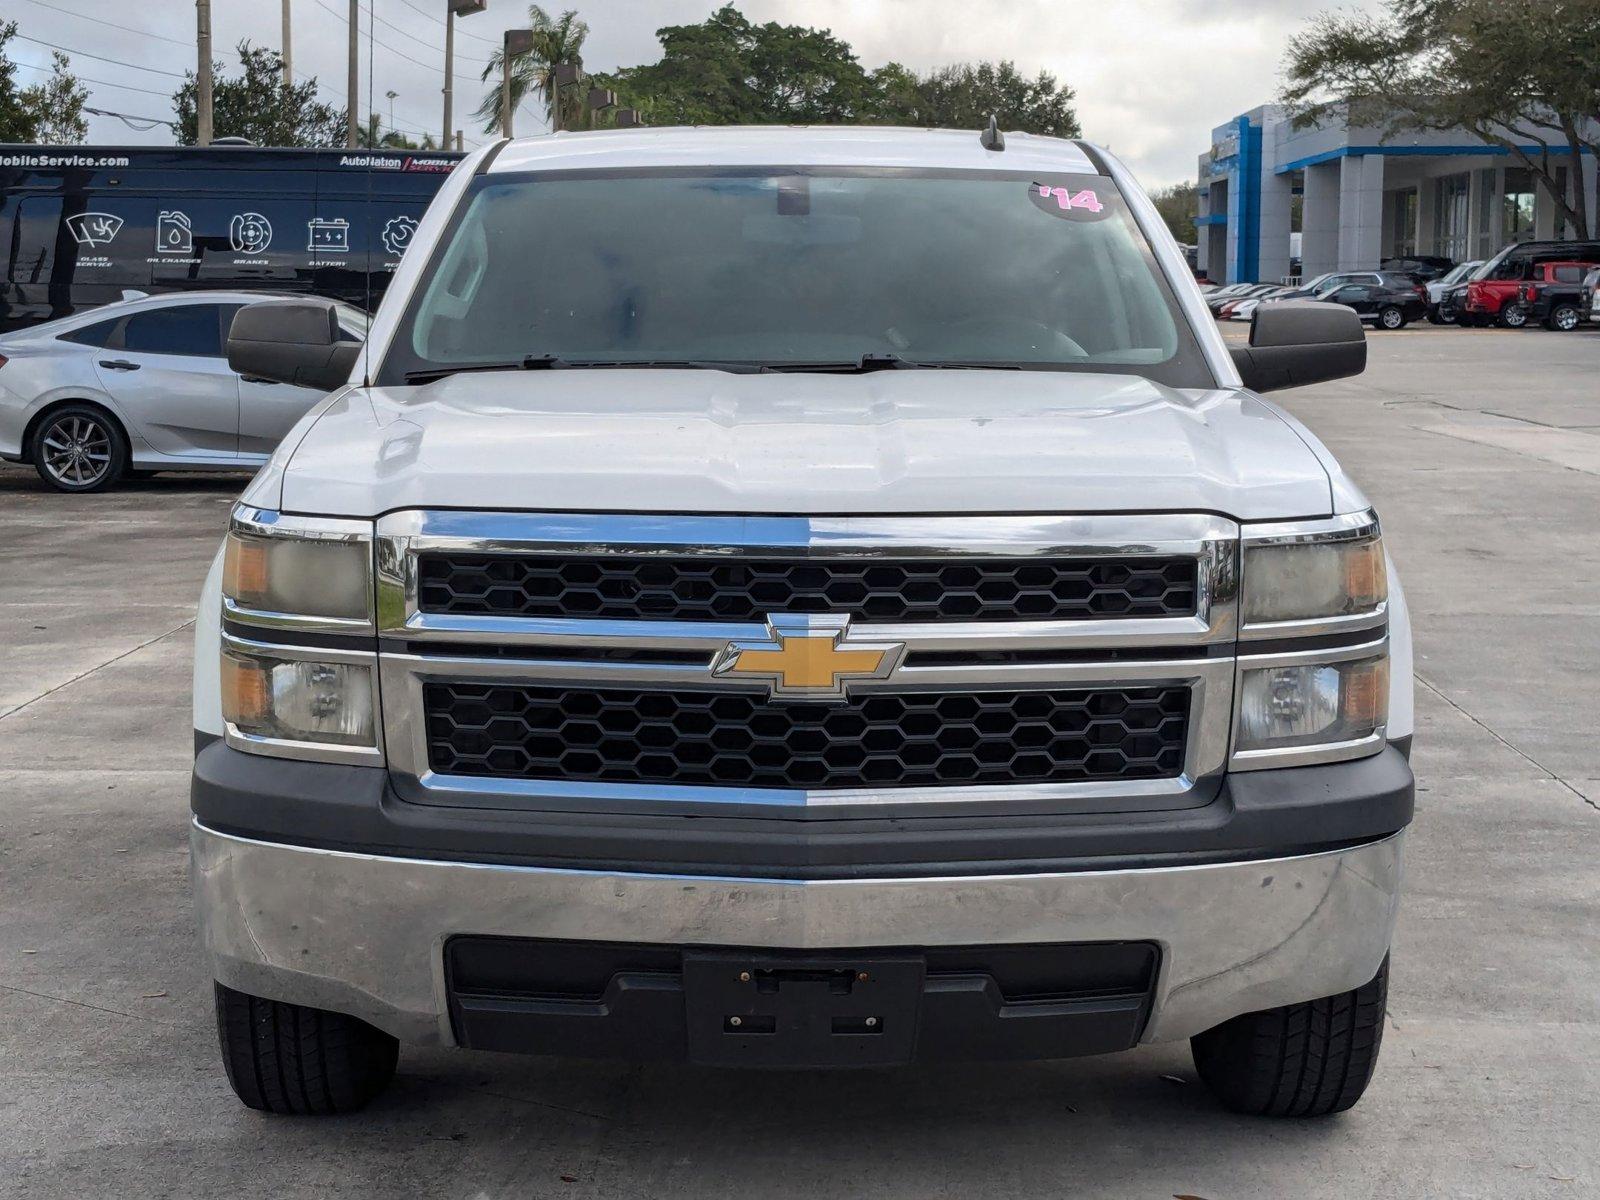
<point>282,697</point>
<point>1329,705</point>
<point>1325,573</point>
<point>1324,579</point>
<point>293,576</point>
<point>310,573</point>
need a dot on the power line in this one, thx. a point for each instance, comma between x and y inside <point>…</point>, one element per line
<point>132,121</point>
<point>372,15</point>
<point>111,24</point>
<point>97,82</point>
<point>116,62</point>
<point>459,31</point>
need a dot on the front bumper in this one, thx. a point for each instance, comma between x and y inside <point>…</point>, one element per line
<point>365,934</point>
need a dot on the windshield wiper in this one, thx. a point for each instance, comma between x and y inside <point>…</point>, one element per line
<point>550,362</point>
<point>534,362</point>
<point>892,362</point>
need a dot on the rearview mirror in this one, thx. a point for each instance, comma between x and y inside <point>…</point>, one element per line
<point>1296,342</point>
<point>295,342</point>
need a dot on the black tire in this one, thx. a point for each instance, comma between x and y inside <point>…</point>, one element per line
<point>1391,317</point>
<point>1512,316</point>
<point>286,1058</point>
<point>1563,318</point>
<point>63,433</point>
<point>1301,1060</point>
<point>1433,316</point>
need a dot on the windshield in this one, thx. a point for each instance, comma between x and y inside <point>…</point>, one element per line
<point>793,269</point>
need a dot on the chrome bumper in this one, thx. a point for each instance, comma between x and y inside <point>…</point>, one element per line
<point>364,935</point>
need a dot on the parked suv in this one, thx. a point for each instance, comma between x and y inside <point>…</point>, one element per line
<point>1558,295</point>
<point>800,598</point>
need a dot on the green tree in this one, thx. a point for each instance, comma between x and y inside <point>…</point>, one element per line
<point>965,95</point>
<point>372,135</point>
<point>1176,204</point>
<point>256,104</point>
<point>556,43</point>
<point>57,105</point>
<point>727,71</point>
<point>1519,74</point>
<point>16,119</point>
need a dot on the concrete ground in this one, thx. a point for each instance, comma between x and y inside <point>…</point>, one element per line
<point>1482,451</point>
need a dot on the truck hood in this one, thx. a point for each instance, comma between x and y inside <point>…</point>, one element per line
<point>910,441</point>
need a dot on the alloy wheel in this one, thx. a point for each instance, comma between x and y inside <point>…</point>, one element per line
<point>1392,318</point>
<point>77,450</point>
<point>1566,319</point>
<point>1514,316</point>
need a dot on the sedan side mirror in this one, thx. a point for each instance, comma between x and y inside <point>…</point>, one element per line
<point>1296,342</point>
<point>295,342</point>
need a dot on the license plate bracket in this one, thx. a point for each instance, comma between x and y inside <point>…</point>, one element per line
<point>780,1011</point>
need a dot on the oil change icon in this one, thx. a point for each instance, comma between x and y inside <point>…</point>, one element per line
<point>174,233</point>
<point>328,236</point>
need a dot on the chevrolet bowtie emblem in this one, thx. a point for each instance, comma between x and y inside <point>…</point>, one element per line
<point>809,657</point>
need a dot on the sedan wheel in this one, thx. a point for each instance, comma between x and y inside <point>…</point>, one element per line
<point>1391,318</point>
<point>79,449</point>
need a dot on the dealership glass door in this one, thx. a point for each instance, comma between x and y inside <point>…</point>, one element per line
<point>1516,206</point>
<point>1452,233</point>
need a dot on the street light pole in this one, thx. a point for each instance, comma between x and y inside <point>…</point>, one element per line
<point>517,43</point>
<point>353,78</point>
<point>202,98</point>
<point>452,10</point>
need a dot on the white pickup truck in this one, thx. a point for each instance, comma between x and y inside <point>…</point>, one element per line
<point>799,598</point>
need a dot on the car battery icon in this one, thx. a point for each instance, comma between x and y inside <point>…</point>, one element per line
<point>329,236</point>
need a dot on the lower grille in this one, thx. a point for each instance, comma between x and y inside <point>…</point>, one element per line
<point>877,740</point>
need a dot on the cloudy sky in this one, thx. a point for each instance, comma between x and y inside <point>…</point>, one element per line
<point>1152,76</point>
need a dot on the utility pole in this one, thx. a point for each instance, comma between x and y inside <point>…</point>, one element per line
<point>452,10</point>
<point>353,78</point>
<point>288,50</point>
<point>517,43</point>
<point>202,107</point>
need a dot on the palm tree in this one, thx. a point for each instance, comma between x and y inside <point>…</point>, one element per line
<point>555,43</point>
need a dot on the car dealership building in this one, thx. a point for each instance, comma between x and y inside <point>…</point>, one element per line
<point>1366,197</point>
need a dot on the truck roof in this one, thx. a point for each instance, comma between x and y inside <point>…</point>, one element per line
<point>791,145</point>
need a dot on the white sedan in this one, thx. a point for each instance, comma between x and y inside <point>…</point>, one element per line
<point>142,385</point>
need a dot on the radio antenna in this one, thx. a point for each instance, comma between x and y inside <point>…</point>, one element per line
<point>366,342</point>
<point>991,138</point>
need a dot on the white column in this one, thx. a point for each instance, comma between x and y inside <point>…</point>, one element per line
<point>1272,247</point>
<point>1591,174</point>
<point>1319,220</point>
<point>1360,212</point>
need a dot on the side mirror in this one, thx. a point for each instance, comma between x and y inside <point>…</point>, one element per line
<point>294,342</point>
<point>1296,342</point>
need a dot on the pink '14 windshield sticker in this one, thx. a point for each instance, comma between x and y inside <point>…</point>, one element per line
<point>1074,203</point>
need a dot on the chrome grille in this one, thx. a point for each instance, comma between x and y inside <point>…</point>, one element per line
<point>750,588</point>
<point>888,740</point>
<point>500,686</point>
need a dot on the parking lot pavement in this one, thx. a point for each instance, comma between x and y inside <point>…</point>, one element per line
<point>1482,451</point>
